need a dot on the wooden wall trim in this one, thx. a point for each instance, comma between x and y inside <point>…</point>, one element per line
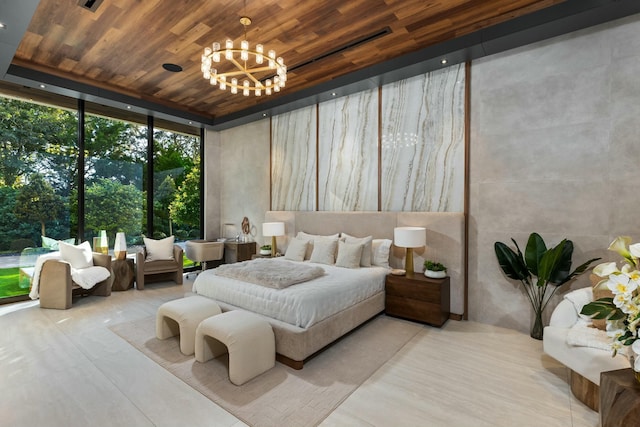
<point>317,156</point>
<point>379,148</point>
<point>467,145</point>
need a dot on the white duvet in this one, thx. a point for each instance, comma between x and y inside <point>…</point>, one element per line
<point>304,304</point>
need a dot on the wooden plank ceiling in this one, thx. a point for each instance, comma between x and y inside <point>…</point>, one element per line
<point>123,44</point>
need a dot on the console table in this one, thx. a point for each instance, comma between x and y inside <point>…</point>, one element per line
<point>619,399</point>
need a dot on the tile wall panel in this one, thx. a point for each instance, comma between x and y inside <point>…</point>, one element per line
<point>348,153</point>
<point>293,160</point>
<point>423,142</point>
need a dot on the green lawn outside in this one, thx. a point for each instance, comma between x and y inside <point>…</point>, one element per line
<point>9,286</point>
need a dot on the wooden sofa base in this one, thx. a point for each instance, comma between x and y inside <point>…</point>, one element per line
<point>584,390</point>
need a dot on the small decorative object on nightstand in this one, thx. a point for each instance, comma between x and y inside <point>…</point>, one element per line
<point>418,298</point>
<point>434,270</point>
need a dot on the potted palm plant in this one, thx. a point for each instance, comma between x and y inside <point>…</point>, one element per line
<point>551,267</point>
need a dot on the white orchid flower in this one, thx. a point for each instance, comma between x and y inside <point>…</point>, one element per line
<point>614,330</point>
<point>605,269</point>
<point>635,250</point>
<point>615,346</point>
<point>621,284</point>
<point>632,274</point>
<point>620,245</point>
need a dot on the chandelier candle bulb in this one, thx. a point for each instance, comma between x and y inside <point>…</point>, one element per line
<point>248,63</point>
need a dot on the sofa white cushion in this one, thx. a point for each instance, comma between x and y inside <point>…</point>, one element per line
<point>158,250</point>
<point>88,277</point>
<point>79,256</point>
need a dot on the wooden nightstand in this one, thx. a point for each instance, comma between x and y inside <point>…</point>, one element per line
<point>238,251</point>
<point>418,298</point>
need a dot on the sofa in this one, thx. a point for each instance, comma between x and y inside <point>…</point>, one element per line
<point>572,341</point>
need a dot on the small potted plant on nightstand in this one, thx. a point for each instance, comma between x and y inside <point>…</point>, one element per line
<point>434,270</point>
<point>265,250</point>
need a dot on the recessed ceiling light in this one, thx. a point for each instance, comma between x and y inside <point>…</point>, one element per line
<point>3,25</point>
<point>444,61</point>
<point>333,94</point>
<point>264,114</point>
<point>42,86</point>
<point>174,68</point>
<point>128,107</point>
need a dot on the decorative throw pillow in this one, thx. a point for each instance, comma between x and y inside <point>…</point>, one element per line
<point>324,251</point>
<point>158,250</point>
<point>77,256</point>
<point>365,258</point>
<point>311,238</point>
<point>599,292</point>
<point>49,243</point>
<point>380,249</point>
<point>349,254</point>
<point>296,250</point>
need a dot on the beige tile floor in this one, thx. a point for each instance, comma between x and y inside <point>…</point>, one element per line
<point>66,368</point>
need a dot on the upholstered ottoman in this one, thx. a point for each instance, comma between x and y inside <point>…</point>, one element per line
<point>246,336</point>
<point>182,316</point>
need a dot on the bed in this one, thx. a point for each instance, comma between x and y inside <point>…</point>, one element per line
<point>298,337</point>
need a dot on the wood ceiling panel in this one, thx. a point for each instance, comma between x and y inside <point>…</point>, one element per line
<point>122,45</point>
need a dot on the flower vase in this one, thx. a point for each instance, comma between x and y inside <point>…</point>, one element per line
<point>537,329</point>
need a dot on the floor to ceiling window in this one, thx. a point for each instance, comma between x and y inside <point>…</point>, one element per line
<point>38,170</point>
<point>40,195</point>
<point>176,196</point>
<point>115,156</point>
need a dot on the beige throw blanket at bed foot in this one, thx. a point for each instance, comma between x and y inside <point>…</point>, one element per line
<point>277,274</point>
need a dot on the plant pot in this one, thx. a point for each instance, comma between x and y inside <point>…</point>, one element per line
<point>537,328</point>
<point>435,274</point>
<point>265,252</point>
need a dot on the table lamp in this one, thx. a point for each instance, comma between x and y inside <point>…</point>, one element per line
<point>273,229</point>
<point>409,238</point>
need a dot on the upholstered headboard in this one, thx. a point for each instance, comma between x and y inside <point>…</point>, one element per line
<point>445,237</point>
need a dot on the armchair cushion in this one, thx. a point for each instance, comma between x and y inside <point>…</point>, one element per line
<point>78,256</point>
<point>159,250</point>
<point>88,277</point>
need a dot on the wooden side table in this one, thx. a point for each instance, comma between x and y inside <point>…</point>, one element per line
<point>238,251</point>
<point>418,298</point>
<point>123,274</point>
<point>619,399</point>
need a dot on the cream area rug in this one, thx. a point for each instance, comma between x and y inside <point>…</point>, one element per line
<point>281,396</point>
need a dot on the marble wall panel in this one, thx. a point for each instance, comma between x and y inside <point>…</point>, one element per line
<point>423,142</point>
<point>293,160</point>
<point>348,153</point>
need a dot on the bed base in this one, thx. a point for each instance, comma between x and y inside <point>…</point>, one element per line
<point>295,345</point>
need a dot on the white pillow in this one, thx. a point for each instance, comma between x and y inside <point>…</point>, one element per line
<point>380,249</point>
<point>88,277</point>
<point>311,238</point>
<point>324,251</point>
<point>365,258</point>
<point>78,256</point>
<point>349,254</point>
<point>296,250</point>
<point>158,250</point>
<point>49,243</point>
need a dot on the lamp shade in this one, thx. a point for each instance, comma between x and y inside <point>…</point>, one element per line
<point>410,237</point>
<point>273,228</point>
